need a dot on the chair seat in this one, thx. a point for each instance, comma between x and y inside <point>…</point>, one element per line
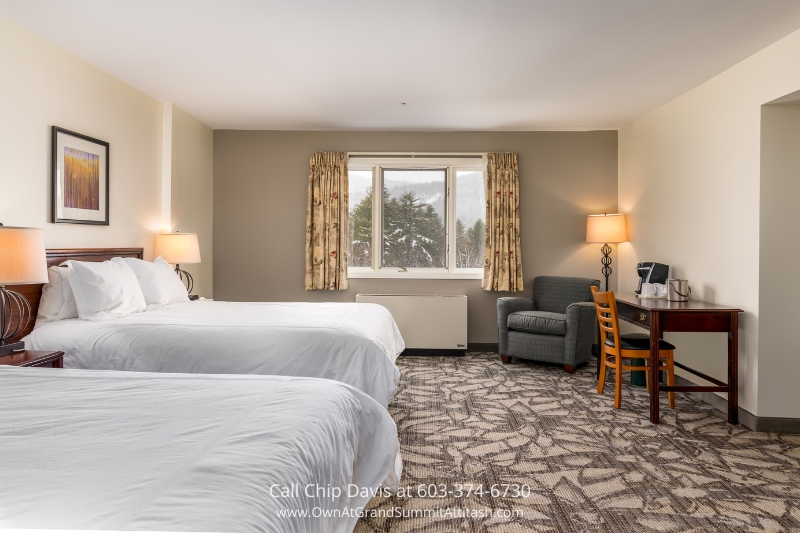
<point>639,341</point>
<point>540,322</point>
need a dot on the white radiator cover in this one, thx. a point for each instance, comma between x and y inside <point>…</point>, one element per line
<point>427,321</point>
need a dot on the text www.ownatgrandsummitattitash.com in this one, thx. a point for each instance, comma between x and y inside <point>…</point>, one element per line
<point>398,512</point>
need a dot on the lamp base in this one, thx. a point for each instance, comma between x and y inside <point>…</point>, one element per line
<point>606,270</point>
<point>14,347</point>
<point>185,278</point>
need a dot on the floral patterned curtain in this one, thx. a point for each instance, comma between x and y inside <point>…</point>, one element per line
<point>326,222</point>
<point>502,268</point>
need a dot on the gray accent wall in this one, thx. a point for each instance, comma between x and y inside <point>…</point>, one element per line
<point>260,194</point>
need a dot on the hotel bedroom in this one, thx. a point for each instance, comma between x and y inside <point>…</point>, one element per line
<point>569,309</point>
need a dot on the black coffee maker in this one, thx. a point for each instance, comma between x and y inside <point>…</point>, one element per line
<point>651,273</point>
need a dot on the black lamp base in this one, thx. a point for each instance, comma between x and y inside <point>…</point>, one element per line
<point>606,249</point>
<point>186,278</point>
<point>13,347</point>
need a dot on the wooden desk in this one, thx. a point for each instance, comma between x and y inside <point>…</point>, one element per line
<point>659,315</point>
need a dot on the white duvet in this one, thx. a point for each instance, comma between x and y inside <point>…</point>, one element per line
<point>134,451</point>
<point>353,343</point>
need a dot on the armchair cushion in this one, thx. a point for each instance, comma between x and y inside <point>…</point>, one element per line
<point>538,322</point>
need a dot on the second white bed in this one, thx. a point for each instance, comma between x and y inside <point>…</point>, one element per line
<point>356,344</point>
<point>162,452</point>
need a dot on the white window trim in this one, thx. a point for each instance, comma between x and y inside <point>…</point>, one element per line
<point>468,162</point>
<point>415,273</point>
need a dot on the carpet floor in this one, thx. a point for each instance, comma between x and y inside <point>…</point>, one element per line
<point>524,447</point>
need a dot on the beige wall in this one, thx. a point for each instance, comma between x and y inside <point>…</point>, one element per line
<point>260,188</point>
<point>689,180</point>
<point>779,226</point>
<point>192,204</point>
<point>42,86</point>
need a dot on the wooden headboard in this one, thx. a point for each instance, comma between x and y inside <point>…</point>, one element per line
<point>33,293</point>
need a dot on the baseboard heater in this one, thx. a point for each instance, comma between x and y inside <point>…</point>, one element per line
<point>430,323</point>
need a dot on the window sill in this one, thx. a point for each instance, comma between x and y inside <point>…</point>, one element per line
<point>411,274</point>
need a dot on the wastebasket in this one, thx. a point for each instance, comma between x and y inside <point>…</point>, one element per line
<point>638,377</point>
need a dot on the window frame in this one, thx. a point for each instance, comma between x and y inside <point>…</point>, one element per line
<point>453,165</point>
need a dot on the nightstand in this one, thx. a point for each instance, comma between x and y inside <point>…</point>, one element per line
<point>34,358</point>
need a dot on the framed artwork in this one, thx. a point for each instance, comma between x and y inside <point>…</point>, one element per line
<point>80,178</point>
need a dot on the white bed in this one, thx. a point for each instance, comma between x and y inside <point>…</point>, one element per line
<point>356,344</point>
<point>137,451</point>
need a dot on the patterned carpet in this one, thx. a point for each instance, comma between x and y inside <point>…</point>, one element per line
<point>472,420</point>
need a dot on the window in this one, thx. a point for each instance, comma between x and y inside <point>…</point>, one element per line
<point>427,223</point>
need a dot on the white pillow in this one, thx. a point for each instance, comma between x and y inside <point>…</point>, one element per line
<point>160,284</point>
<point>70,309</point>
<point>52,297</point>
<point>58,302</point>
<point>104,291</point>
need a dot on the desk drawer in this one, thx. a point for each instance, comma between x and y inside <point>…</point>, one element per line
<point>633,315</point>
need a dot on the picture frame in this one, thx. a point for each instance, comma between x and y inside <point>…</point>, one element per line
<point>80,178</point>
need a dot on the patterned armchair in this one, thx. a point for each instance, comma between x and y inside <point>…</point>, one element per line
<point>557,325</point>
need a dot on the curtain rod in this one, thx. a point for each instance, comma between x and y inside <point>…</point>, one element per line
<point>416,154</point>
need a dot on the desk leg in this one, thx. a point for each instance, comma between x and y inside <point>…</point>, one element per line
<point>655,335</point>
<point>733,370</point>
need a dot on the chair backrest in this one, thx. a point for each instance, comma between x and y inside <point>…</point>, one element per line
<point>606,306</point>
<point>554,293</point>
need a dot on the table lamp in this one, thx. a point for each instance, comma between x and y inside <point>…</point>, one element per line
<point>177,248</point>
<point>606,228</point>
<point>22,262</point>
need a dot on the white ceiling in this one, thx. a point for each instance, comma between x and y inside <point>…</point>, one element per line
<point>459,64</point>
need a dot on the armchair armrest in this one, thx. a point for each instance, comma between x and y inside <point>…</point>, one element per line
<point>581,325</point>
<point>506,306</point>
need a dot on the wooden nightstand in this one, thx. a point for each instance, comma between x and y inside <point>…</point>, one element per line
<point>34,358</point>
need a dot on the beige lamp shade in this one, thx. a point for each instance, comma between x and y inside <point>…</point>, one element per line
<point>178,248</point>
<point>606,228</point>
<point>22,256</point>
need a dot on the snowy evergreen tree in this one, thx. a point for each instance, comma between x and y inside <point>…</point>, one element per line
<point>413,235</point>
<point>469,244</point>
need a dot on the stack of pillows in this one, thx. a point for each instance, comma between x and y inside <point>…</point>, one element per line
<point>108,290</point>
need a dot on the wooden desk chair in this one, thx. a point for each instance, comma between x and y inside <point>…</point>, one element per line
<point>617,347</point>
